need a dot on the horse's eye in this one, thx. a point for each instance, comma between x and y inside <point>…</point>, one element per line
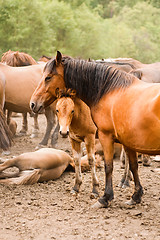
<point>57,110</point>
<point>72,111</point>
<point>47,78</point>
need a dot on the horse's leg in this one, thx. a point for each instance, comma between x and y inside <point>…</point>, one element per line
<point>9,114</point>
<point>36,126</point>
<point>146,160</point>
<point>76,148</point>
<point>122,158</point>
<point>24,124</point>
<point>54,137</point>
<point>126,176</point>
<point>90,144</point>
<point>50,123</point>
<point>133,163</point>
<point>108,148</point>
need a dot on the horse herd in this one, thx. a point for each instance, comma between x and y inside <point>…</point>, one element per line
<point>107,99</point>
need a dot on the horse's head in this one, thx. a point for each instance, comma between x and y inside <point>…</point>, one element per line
<point>52,79</point>
<point>65,110</point>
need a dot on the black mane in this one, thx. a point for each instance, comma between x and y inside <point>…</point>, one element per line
<point>92,80</point>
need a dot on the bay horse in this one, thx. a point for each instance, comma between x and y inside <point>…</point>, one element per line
<point>20,84</point>
<point>123,108</point>
<point>75,120</point>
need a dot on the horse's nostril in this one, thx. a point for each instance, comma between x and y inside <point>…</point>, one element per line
<point>32,105</point>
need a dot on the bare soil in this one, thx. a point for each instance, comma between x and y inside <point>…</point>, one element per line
<point>46,211</point>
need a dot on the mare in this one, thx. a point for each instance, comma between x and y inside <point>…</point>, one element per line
<point>123,108</point>
<point>75,120</point>
<point>151,74</point>
<point>20,83</point>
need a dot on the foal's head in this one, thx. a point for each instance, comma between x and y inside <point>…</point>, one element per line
<point>65,110</point>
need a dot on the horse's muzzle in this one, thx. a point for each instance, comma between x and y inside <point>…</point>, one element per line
<point>36,108</point>
<point>64,134</point>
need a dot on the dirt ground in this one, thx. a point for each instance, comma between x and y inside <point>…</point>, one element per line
<point>46,211</point>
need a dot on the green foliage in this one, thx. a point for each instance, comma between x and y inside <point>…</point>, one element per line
<point>90,28</point>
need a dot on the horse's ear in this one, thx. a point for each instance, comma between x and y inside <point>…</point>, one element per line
<point>137,73</point>
<point>57,92</point>
<point>58,58</point>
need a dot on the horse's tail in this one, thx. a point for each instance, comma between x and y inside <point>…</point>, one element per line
<point>5,133</point>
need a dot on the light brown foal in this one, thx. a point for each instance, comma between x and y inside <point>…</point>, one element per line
<point>75,120</point>
<point>39,166</point>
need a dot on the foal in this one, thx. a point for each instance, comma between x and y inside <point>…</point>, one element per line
<point>75,120</point>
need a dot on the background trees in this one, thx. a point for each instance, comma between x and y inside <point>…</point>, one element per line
<point>90,28</point>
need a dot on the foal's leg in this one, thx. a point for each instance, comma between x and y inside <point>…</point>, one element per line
<point>133,163</point>
<point>76,148</point>
<point>108,148</point>
<point>90,144</point>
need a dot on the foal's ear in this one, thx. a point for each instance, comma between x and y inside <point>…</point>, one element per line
<point>58,58</point>
<point>72,93</point>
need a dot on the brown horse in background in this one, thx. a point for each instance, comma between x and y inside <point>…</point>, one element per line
<point>75,120</point>
<point>44,58</point>
<point>17,59</point>
<point>20,84</point>
<point>123,108</point>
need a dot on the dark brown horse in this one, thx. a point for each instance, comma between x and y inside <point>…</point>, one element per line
<point>123,108</point>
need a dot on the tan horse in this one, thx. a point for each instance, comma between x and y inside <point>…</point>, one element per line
<point>123,108</point>
<point>39,166</point>
<point>19,59</point>
<point>75,119</point>
<point>20,84</point>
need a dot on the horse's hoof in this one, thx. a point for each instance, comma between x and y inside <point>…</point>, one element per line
<point>40,146</point>
<point>131,202</point>
<point>98,205</point>
<point>34,135</point>
<point>94,195</point>
<point>146,163</point>
<point>120,185</point>
<point>6,153</point>
<point>21,134</point>
<point>73,192</point>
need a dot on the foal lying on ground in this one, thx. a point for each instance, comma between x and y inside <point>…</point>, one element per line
<point>42,165</point>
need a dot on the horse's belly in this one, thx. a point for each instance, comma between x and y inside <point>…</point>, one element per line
<point>17,108</point>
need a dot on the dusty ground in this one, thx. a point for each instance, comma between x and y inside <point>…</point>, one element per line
<point>47,211</point>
